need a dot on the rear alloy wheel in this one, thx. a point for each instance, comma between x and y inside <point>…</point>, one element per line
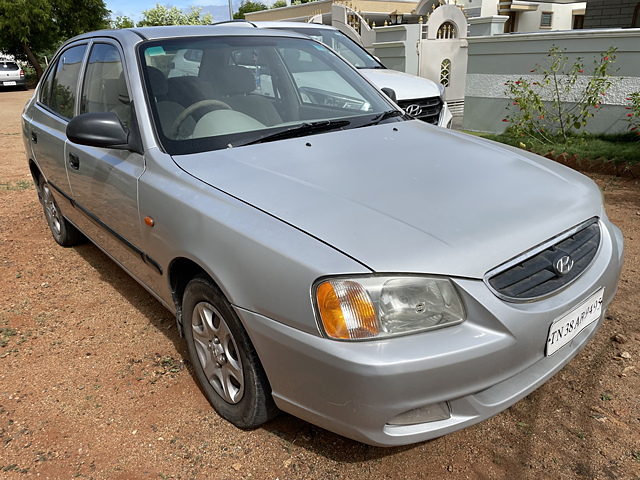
<point>64,233</point>
<point>224,360</point>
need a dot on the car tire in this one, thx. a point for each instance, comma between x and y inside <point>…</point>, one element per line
<point>225,362</point>
<point>63,232</point>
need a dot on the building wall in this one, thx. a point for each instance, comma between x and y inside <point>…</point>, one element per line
<point>495,60</point>
<point>306,10</point>
<point>611,14</point>
<point>562,18</point>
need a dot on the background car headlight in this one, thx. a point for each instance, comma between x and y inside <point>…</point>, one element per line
<point>376,307</point>
<point>443,91</point>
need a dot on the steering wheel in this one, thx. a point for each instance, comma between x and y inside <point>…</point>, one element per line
<point>210,104</point>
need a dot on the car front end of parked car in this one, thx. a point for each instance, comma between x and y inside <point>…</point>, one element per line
<point>437,376</point>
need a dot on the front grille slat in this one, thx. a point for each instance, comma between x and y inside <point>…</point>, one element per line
<point>534,276</point>
<point>430,108</point>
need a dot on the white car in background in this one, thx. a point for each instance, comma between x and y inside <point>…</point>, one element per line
<point>420,97</point>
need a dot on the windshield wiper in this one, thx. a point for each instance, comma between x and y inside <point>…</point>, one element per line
<point>299,130</point>
<point>384,116</point>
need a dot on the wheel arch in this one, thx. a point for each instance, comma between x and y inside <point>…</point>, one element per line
<point>35,172</point>
<point>181,271</point>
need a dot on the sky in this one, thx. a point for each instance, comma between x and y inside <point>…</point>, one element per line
<point>133,9</point>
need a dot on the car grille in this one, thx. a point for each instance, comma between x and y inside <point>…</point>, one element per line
<point>428,108</point>
<point>533,275</point>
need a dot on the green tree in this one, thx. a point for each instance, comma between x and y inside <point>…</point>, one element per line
<point>248,6</point>
<point>160,15</point>
<point>279,4</point>
<point>28,28</point>
<point>122,22</point>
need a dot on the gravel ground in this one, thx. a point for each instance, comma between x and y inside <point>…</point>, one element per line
<point>95,381</point>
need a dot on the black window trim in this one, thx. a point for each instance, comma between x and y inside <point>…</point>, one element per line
<point>50,71</point>
<point>89,42</point>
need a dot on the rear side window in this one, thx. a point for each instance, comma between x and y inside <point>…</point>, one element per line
<point>9,66</point>
<point>59,88</point>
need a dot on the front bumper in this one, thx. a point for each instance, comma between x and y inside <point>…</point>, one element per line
<point>479,367</point>
<point>446,117</point>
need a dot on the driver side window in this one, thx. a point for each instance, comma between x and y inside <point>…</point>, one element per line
<point>105,88</point>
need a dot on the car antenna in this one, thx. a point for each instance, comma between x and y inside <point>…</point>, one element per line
<point>235,20</point>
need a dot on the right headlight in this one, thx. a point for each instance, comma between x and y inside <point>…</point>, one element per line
<point>367,308</point>
<point>443,91</point>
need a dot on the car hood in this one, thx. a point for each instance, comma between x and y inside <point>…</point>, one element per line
<point>407,87</point>
<point>406,196</point>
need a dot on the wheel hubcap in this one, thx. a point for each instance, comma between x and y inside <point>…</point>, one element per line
<point>51,209</point>
<point>218,353</point>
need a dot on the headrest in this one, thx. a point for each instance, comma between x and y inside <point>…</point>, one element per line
<point>123,92</point>
<point>236,80</point>
<point>159,86</point>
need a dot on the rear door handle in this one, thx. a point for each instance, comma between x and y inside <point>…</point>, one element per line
<point>34,137</point>
<point>74,161</point>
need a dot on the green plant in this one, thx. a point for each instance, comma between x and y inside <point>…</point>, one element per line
<point>633,117</point>
<point>562,100</point>
<point>18,186</point>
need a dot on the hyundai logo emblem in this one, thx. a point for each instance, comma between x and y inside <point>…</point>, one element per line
<point>563,265</point>
<point>414,110</point>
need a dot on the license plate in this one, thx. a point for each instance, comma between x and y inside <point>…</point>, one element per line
<point>9,84</point>
<point>567,327</point>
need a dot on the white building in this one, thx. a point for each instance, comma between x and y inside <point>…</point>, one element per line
<point>522,16</point>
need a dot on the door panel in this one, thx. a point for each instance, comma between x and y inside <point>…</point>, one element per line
<point>47,135</point>
<point>104,181</point>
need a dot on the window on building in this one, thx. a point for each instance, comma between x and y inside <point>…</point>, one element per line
<point>578,22</point>
<point>447,30</point>
<point>512,24</point>
<point>445,72</point>
<point>546,20</point>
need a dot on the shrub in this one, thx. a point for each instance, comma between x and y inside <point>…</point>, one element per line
<point>559,100</point>
<point>634,116</point>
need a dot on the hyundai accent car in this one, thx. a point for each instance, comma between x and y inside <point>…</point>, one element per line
<point>389,301</point>
<point>420,97</point>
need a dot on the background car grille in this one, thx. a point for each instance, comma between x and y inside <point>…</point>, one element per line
<point>430,108</point>
<point>534,276</point>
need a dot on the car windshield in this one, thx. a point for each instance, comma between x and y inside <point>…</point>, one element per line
<point>10,66</point>
<point>338,41</point>
<point>219,92</point>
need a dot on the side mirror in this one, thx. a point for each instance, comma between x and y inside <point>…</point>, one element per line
<point>100,129</point>
<point>390,92</point>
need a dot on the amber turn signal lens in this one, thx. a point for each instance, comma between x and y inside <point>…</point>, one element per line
<point>346,310</point>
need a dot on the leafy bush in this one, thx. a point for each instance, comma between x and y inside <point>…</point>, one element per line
<point>634,116</point>
<point>561,102</point>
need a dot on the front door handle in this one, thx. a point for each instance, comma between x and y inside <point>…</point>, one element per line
<point>74,161</point>
<point>34,137</point>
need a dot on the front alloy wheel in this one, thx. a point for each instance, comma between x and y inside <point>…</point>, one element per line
<point>217,352</point>
<point>223,357</point>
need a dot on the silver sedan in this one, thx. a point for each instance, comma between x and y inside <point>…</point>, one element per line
<point>318,258</point>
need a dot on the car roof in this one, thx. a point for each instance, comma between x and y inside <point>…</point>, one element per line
<point>129,36</point>
<point>277,24</point>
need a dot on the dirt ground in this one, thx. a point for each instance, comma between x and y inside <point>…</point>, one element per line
<point>95,381</point>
